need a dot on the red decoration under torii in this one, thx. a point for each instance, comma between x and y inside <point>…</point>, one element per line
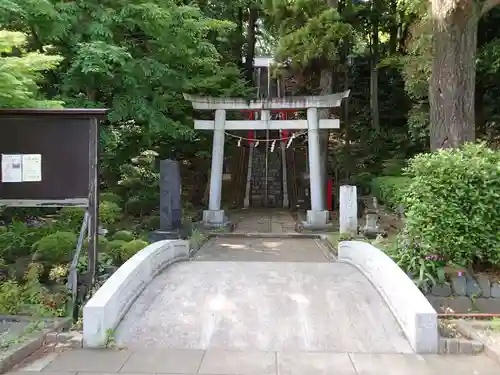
<point>283,114</point>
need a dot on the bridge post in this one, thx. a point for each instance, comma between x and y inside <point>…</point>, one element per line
<point>214,216</point>
<point>316,216</point>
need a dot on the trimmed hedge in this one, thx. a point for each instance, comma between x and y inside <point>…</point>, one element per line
<point>452,207</point>
<point>390,190</point>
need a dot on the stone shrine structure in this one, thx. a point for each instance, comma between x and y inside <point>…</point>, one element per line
<point>318,215</point>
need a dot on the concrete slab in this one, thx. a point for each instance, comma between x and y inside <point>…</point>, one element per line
<point>279,306</point>
<point>89,360</point>
<point>224,362</point>
<point>263,250</point>
<point>164,361</point>
<point>397,364</point>
<point>301,363</point>
<point>390,364</point>
<point>462,365</point>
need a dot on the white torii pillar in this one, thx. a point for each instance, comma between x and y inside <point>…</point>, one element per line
<point>317,215</point>
<point>214,216</point>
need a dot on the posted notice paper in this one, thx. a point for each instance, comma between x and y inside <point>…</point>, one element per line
<point>12,170</point>
<point>32,168</point>
<point>21,168</point>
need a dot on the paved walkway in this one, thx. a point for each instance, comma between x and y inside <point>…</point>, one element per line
<point>222,362</point>
<point>263,221</point>
<point>270,306</point>
<point>265,306</point>
<point>244,249</point>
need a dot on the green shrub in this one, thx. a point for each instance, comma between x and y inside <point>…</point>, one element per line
<point>109,196</point>
<point>29,297</point>
<point>393,167</point>
<point>115,250</point>
<point>12,243</point>
<point>17,239</point>
<point>104,260</point>
<point>123,235</point>
<point>452,204</point>
<point>142,205</point>
<point>129,249</point>
<point>55,248</point>
<point>390,190</point>
<point>152,223</point>
<point>109,212</point>
<point>71,217</point>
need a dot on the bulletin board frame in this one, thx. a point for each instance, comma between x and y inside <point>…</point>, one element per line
<point>50,158</point>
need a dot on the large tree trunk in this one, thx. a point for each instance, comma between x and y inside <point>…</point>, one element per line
<point>253,13</point>
<point>452,86</point>
<point>374,69</point>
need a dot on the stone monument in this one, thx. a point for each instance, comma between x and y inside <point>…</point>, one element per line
<point>348,209</point>
<point>170,202</point>
<point>371,228</point>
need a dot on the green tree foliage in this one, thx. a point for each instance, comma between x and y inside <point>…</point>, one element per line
<point>134,57</point>
<point>21,72</point>
<point>312,32</point>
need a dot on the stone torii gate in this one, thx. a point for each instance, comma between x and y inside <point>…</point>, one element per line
<point>317,215</point>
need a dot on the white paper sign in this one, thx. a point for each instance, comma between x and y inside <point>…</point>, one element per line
<point>32,168</point>
<point>12,170</point>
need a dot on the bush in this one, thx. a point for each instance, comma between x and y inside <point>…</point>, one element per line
<point>104,260</point>
<point>109,212</point>
<point>29,297</point>
<point>17,239</point>
<point>55,248</point>
<point>115,250</point>
<point>393,167</point>
<point>452,204</point>
<point>152,223</point>
<point>131,248</point>
<point>71,217</point>
<point>123,235</point>
<point>111,197</point>
<point>390,190</point>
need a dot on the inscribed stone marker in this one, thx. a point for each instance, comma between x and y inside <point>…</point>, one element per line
<point>170,202</point>
<point>348,210</point>
<point>170,195</point>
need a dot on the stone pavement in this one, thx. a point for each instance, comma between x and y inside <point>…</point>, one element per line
<point>223,362</point>
<point>263,221</point>
<point>271,306</point>
<point>247,249</point>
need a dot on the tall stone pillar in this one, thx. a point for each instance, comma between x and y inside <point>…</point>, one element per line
<point>316,216</point>
<point>214,216</point>
<point>284,175</point>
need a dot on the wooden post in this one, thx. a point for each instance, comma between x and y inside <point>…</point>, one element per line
<point>93,208</point>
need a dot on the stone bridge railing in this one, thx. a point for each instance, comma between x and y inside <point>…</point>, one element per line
<point>104,311</point>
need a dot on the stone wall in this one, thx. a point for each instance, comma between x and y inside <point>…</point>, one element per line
<point>467,294</point>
